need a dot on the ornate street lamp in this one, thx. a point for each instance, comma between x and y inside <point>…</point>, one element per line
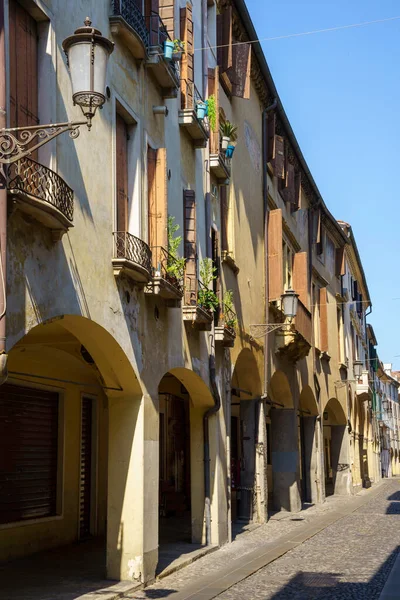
<point>357,368</point>
<point>289,304</point>
<point>87,57</point>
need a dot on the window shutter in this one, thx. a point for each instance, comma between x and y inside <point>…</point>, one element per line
<point>224,217</point>
<point>241,71</point>
<point>323,312</point>
<point>213,90</point>
<point>157,197</point>
<point>28,453</point>
<point>320,235</point>
<point>271,125</point>
<point>297,191</point>
<point>288,192</point>
<point>300,276</point>
<point>224,40</point>
<point>153,25</point>
<point>275,257</point>
<point>167,14</point>
<point>279,160</point>
<point>355,290</point>
<point>340,266</point>
<point>187,63</point>
<point>122,174</point>
<point>190,249</point>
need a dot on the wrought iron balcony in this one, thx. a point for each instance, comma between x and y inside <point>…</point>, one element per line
<point>225,331</point>
<point>132,257</point>
<point>167,280</point>
<point>220,166</point>
<point>128,23</point>
<point>166,72</point>
<point>42,194</point>
<point>198,129</point>
<point>199,316</point>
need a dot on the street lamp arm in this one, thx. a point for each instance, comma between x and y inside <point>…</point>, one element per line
<point>15,142</point>
<point>259,330</point>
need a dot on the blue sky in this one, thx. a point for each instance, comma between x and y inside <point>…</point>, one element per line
<point>341,92</point>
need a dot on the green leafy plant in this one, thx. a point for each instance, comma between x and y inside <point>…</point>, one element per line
<point>212,112</point>
<point>230,319</point>
<point>229,130</point>
<point>179,46</point>
<point>207,298</point>
<point>175,264</point>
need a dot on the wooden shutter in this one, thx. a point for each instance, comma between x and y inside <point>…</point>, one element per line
<point>224,206</point>
<point>241,74</point>
<point>300,276</point>
<point>157,197</point>
<point>275,258</point>
<point>167,14</point>
<point>271,125</point>
<point>187,63</point>
<point>224,40</point>
<point>122,174</point>
<point>288,190</point>
<point>190,248</point>
<point>323,315</point>
<point>297,191</point>
<point>152,21</point>
<point>85,491</point>
<point>340,266</point>
<point>217,265</point>
<point>279,160</point>
<point>28,453</point>
<point>213,90</point>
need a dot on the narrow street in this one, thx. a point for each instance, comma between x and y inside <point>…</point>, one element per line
<point>348,558</point>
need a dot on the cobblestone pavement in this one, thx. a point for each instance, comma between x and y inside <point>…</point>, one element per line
<point>349,559</point>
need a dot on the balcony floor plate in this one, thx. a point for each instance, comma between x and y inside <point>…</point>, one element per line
<point>163,288</point>
<point>166,77</point>
<point>198,317</point>
<point>128,36</point>
<point>131,269</point>
<point>194,127</point>
<point>219,168</point>
<point>225,336</point>
<point>42,211</point>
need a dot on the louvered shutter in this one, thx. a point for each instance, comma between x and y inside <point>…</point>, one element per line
<point>213,90</point>
<point>85,491</point>
<point>271,125</point>
<point>187,63</point>
<point>28,453</point>
<point>288,191</point>
<point>275,258</point>
<point>340,267</point>
<point>152,21</point>
<point>241,72</point>
<point>279,160</point>
<point>167,14</point>
<point>297,191</point>
<point>224,40</point>
<point>190,248</point>
<point>224,217</point>
<point>122,174</point>
<point>323,313</point>
<point>157,197</point>
<point>300,277</point>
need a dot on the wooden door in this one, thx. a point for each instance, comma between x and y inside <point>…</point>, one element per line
<point>122,174</point>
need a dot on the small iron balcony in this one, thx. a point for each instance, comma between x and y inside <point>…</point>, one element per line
<point>167,280</point>
<point>197,128</point>
<point>199,316</point>
<point>132,257</point>
<point>128,23</point>
<point>42,194</point>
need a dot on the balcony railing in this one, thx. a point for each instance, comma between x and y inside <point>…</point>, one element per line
<point>166,266</point>
<point>29,177</point>
<point>303,322</point>
<point>128,247</point>
<point>190,97</point>
<point>193,311</point>
<point>227,318</point>
<point>130,12</point>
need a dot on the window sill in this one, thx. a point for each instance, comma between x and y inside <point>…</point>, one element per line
<point>228,260</point>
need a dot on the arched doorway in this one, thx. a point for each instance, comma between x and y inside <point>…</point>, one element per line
<point>246,430</point>
<point>336,449</point>
<point>284,446</point>
<point>183,400</point>
<point>78,385</point>
<point>307,419</point>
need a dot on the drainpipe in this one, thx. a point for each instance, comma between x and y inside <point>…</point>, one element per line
<point>207,461</point>
<point>3,206</point>
<point>265,199</point>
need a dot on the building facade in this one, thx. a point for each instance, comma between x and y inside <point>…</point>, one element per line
<point>156,390</point>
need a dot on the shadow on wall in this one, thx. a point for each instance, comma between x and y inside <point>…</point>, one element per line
<point>320,586</point>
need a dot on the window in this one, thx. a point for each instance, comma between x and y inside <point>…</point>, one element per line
<point>287,254</point>
<point>316,316</point>
<point>29,439</point>
<point>190,246</point>
<point>340,334</point>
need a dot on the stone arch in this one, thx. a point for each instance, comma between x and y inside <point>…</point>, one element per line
<point>307,401</point>
<point>246,374</point>
<point>336,449</point>
<point>336,414</point>
<point>279,390</point>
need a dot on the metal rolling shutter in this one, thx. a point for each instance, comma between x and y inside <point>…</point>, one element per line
<point>28,453</point>
<point>86,469</point>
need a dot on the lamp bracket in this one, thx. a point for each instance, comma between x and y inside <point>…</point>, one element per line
<point>15,142</point>
<point>259,330</point>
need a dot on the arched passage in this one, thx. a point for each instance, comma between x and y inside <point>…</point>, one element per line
<point>336,449</point>
<point>183,400</point>
<point>307,419</point>
<point>284,446</point>
<point>247,428</point>
<point>93,397</point>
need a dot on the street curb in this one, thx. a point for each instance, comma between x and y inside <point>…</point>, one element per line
<point>391,590</point>
<point>187,561</point>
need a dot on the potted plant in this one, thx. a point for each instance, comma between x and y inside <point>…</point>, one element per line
<point>228,133</point>
<point>229,151</point>
<point>201,110</point>
<point>212,112</point>
<point>230,319</point>
<point>207,298</point>
<point>168,49</point>
<point>175,264</point>
<point>179,49</point>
